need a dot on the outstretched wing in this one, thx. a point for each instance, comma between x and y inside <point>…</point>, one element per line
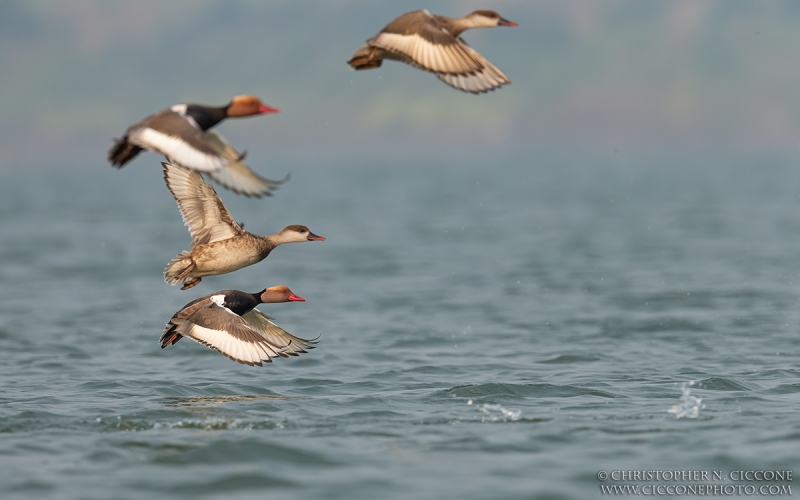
<point>236,175</point>
<point>203,212</point>
<point>486,79</point>
<point>418,39</point>
<point>219,328</point>
<point>292,346</point>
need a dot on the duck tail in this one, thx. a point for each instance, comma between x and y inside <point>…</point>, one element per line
<point>170,336</point>
<point>179,268</point>
<point>122,152</point>
<point>363,59</point>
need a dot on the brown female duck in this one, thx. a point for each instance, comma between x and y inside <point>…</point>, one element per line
<point>432,42</point>
<point>219,244</point>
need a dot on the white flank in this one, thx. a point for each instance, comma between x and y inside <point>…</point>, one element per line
<point>178,151</point>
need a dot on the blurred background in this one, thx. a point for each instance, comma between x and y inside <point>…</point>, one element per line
<point>600,77</point>
<point>518,289</point>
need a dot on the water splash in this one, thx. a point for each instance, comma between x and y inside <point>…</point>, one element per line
<point>499,412</point>
<point>688,406</point>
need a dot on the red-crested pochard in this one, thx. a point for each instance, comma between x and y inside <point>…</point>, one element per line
<point>229,322</point>
<point>219,244</point>
<point>432,42</point>
<point>181,133</point>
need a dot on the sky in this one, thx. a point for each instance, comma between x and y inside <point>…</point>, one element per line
<point>589,75</point>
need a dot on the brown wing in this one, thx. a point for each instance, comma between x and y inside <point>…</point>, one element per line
<point>418,39</point>
<point>219,328</point>
<point>292,346</point>
<point>488,78</point>
<point>203,212</point>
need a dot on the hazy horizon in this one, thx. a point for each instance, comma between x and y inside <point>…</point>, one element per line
<point>621,74</point>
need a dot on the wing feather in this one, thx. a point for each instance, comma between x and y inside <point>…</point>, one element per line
<point>203,212</point>
<point>418,39</point>
<point>452,56</point>
<point>220,329</point>
<point>488,78</point>
<point>275,335</point>
<point>236,175</point>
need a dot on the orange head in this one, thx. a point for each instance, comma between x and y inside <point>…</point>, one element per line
<point>279,293</point>
<point>248,105</point>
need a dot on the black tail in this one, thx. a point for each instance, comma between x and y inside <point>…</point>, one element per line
<point>170,336</point>
<point>122,152</point>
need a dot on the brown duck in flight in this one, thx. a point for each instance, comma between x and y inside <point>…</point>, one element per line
<point>432,42</point>
<point>219,244</point>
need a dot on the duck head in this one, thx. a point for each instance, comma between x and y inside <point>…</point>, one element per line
<point>296,234</point>
<point>248,105</point>
<point>487,19</point>
<point>280,293</point>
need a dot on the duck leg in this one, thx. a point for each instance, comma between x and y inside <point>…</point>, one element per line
<point>192,282</point>
<point>365,58</point>
<point>170,340</point>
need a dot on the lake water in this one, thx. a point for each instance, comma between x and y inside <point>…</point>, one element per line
<point>490,328</point>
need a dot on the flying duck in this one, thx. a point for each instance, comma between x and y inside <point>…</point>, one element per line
<point>181,133</point>
<point>229,322</point>
<point>432,42</point>
<point>219,244</point>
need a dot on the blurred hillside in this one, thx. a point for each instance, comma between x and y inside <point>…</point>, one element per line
<point>608,74</point>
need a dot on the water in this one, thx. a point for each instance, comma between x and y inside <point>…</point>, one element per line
<point>490,328</point>
<point>689,405</point>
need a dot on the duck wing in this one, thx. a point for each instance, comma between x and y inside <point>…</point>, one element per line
<point>417,38</point>
<point>220,328</point>
<point>484,80</point>
<point>292,346</point>
<point>236,175</point>
<point>203,212</point>
<point>178,137</point>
